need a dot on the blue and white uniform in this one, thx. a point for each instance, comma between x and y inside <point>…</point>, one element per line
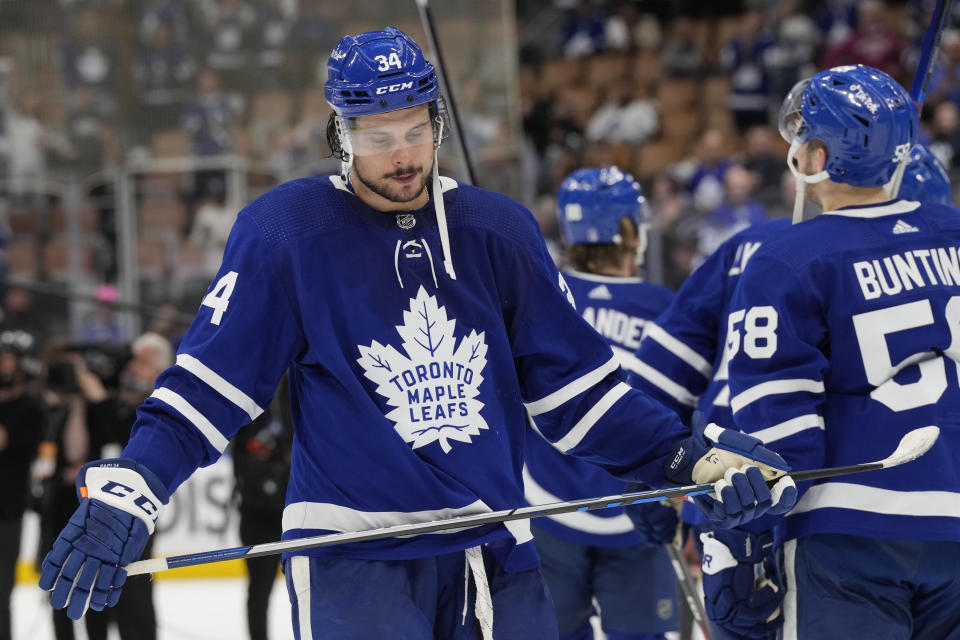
<point>410,391</point>
<point>618,308</point>
<point>683,358</point>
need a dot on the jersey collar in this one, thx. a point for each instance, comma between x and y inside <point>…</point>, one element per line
<point>596,277</point>
<point>889,208</point>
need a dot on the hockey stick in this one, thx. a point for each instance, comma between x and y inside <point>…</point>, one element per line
<point>918,90</point>
<point>688,588</point>
<point>913,445</point>
<point>426,18</point>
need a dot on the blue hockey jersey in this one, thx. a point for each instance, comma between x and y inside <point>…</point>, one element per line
<point>410,390</point>
<point>618,308</point>
<point>847,329</point>
<point>683,360</point>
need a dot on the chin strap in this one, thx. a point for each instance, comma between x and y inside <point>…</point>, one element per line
<point>802,181</point>
<point>441,210</point>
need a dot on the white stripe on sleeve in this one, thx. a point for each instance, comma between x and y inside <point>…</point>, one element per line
<point>774,387</point>
<point>789,427</point>
<point>677,348</point>
<point>221,386</point>
<point>676,391</point>
<point>203,425</point>
<point>583,426</point>
<point>572,389</point>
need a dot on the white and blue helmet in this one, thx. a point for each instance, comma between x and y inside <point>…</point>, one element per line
<point>866,119</point>
<point>591,203</point>
<point>925,179</point>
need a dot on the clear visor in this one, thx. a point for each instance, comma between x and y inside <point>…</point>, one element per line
<point>791,123</point>
<point>393,131</point>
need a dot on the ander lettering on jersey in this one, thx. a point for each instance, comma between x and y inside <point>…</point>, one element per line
<point>616,325</point>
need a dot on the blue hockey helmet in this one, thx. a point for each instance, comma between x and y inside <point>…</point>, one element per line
<point>866,119</point>
<point>591,203</point>
<point>925,179</point>
<point>376,72</point>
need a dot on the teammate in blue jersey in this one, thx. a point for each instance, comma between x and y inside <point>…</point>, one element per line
<point>599,556</point>
<point>846,328</point>
<point>684,358</point>
<point>421,321</point>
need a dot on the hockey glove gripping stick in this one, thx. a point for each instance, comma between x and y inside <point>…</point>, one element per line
<point>120,502</point>
<point>913,445</point>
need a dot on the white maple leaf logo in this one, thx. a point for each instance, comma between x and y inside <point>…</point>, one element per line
<point>434,387</point>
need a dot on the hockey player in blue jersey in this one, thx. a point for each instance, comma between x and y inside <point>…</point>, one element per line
<point>421,321</point>
<point>847,328</point>
<point>599,556</point>
<point>684,362</point>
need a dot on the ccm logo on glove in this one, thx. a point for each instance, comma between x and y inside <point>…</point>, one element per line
<point>124,489</point>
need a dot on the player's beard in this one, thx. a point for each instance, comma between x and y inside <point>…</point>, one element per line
<point>384,189</point>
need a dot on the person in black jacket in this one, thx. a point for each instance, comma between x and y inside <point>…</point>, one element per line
<point>261,466</point>
<point>21,429</point>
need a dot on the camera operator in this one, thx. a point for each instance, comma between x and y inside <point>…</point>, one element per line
<point>110,416</point>
<point>261,466</point>
<point>21,429</point>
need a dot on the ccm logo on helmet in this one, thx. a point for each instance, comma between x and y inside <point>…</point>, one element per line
<point>394,87</point>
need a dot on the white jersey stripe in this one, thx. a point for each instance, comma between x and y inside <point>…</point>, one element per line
<point>221,386</point>
<point>300,576</point>
<point>790,597</point>
<point>335,517</point>
<point>583,426</point>
<point>579,520</point>
<point>572,389</point>
<point>204,426</point>
<point>858,497</point>
<point>774,387</point>
<point>789,427</point>
<point>680,393</point>
<point>678,348</point>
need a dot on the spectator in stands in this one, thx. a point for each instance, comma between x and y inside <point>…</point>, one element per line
<point>944,139</point>
<point>746,59</point>
<point>629,115</point>
<point>275,28</point>
<point>619,29</point>
<point>87,61</point>
<point>209,119</point>
<point>797,41</point>
<point>21,430</point>
<point>110,415</point>
<point>682,55</point>
<point>738,211</point>
<point>673,214</point>
<point>88,136</point>
<point>873,43</point>
<point>764,161</point>
<point>162,75</point>
<point>211,227</point>
<point>706,181</point>
<point>944,82</point>
<point>27,142</point>
<point>836,19</point>
<point>783,208</point>
<point>583,32</point>
<point>102,325</point>
<point>261,466</point>
<point>166,13</point>
<point>229,31</point>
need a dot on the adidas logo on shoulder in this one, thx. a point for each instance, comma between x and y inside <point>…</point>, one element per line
<point>600,293</point>
<point>903,227</point>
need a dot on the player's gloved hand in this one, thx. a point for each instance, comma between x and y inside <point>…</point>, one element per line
<point>656,522</point>
<point>742,586</point>
<point>739,465</point>
<point>120,503</point>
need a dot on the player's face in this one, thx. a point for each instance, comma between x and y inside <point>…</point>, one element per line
<point>393,156</point>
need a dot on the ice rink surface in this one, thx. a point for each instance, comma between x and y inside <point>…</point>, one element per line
<point>194,609</point>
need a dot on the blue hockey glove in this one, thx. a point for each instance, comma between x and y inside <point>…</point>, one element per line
<point>742,587</point>
<point>120,503</point>
<point>656,522</point>
<point>740,465</point>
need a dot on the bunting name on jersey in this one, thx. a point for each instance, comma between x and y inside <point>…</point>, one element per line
<point>905,271</point>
